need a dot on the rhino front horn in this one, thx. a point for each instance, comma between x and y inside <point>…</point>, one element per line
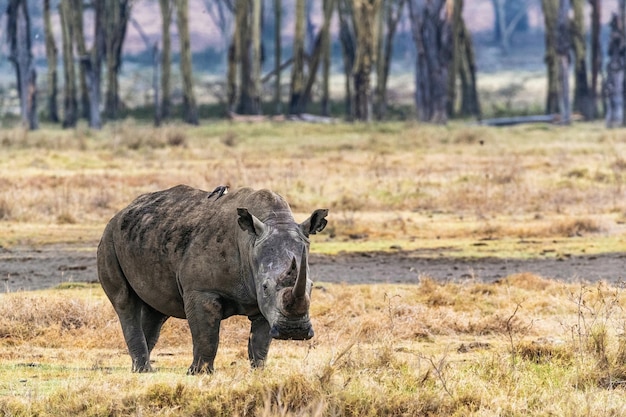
<point>299,289</point>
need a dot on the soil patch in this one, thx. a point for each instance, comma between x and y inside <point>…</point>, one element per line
<point>46,267</point>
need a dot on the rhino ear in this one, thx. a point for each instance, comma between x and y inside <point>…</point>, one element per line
<point>250,223</point>
<point>315,223</point>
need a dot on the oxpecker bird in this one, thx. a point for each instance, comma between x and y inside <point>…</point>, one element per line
<point>219,191</point>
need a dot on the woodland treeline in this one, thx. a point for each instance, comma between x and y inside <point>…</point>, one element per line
<point>444,68</point>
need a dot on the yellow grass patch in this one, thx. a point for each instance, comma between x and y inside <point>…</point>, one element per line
<point>524,345</point>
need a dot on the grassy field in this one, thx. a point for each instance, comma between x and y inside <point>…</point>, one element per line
<point>389,182</point>
<point>523,346</point>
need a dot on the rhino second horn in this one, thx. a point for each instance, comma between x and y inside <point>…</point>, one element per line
<point>299,290</point>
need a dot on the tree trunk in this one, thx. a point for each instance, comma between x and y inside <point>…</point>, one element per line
<point>550,13</point>
<point>278,6</point>
<point>621,6</point>
<point>463,66</point>
<point>470,104</point>
<point>432,35</point>
<point>500,25</point>
<point>596,54</point>
<point>51,58</point>
<point>255,57</point>
<point>614,82</point>
<point>116,15</point>
<point>297,70</point>
<point>79,40</point>
<point>583,100</point>
<point>455,14</point>
<point>18,25</point>
<point>190,111</point>
<point>243,20</point>
<point>156,61</point>
<point>563,47</point>
<point>325,103</point>
<point>316,55</point>
<point>92,62</point>
<point>510,16</point>
<point>348,48</point>
<point>364,15</point>
<point>69,75</point>
<point>388,23</point>
<point>166,60</point>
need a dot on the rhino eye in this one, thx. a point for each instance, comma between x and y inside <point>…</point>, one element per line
<point>265,289</point>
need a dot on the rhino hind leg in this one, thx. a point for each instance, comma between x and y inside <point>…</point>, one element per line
<point>127,305</point>
<point>259,341</point>
<point>151,323</point>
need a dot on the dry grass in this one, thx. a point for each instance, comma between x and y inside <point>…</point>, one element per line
<point>393,181</point>
<point>522,346</point>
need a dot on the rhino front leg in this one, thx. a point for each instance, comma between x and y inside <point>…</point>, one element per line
<point>204,314</point>
<point>259,342</point>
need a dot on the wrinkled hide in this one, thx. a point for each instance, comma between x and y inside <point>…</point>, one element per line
<point>179,253</point>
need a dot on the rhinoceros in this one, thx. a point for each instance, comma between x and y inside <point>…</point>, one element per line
<point>179,253</point>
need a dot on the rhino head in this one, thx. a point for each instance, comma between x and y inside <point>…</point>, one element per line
<point>279,266</point>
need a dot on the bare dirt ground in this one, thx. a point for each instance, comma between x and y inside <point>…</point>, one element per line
<point>46,267</point>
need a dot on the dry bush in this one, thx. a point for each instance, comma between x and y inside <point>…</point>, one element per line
<point>575,227</point>
<point>6,208</point>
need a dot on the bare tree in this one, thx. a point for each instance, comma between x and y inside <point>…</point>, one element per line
<point>325,103</point>
<point>297,70</point>
<point>462,66</point>
<point>563,46</point>
<point>348,49</point>
<point>166,60</point>
<point>550,13</point>
<point>70,105</point>
<point>315,55</point>
<point>508,16</point>
<point>583,97</point>
<point>278,12</point>
<point>156,63</point>
<point>388,23</point>
<point>255,55</point>
<point>245,57</point>
<point>432,36</point>
<point>92,64</point>
<point>596,53</point>
<point>613,87</point>
<point>190,110</point>
<point>364,14</point>
<point>79,40</point>
<point>51,58</point>
<point>18,28</point>
<point>116,15</point>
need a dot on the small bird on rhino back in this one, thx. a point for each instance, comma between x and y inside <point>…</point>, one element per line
<point>179,253</point>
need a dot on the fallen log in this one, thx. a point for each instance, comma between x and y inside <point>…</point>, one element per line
<point>303,117</point>
<point>510,121</point>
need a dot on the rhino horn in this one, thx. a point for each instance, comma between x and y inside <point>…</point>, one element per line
<point>299,289</point>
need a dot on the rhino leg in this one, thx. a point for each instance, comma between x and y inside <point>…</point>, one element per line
<point>259,342</point>
<point>204,314</point>
<point>127,305</point>
<point>151,323</point>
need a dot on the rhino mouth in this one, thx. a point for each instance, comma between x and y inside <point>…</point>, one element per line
<point>288,331</point>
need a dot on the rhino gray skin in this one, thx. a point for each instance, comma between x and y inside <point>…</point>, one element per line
<point>178,253</point>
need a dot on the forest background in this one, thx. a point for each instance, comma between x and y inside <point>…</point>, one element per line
<point>350,59</point>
